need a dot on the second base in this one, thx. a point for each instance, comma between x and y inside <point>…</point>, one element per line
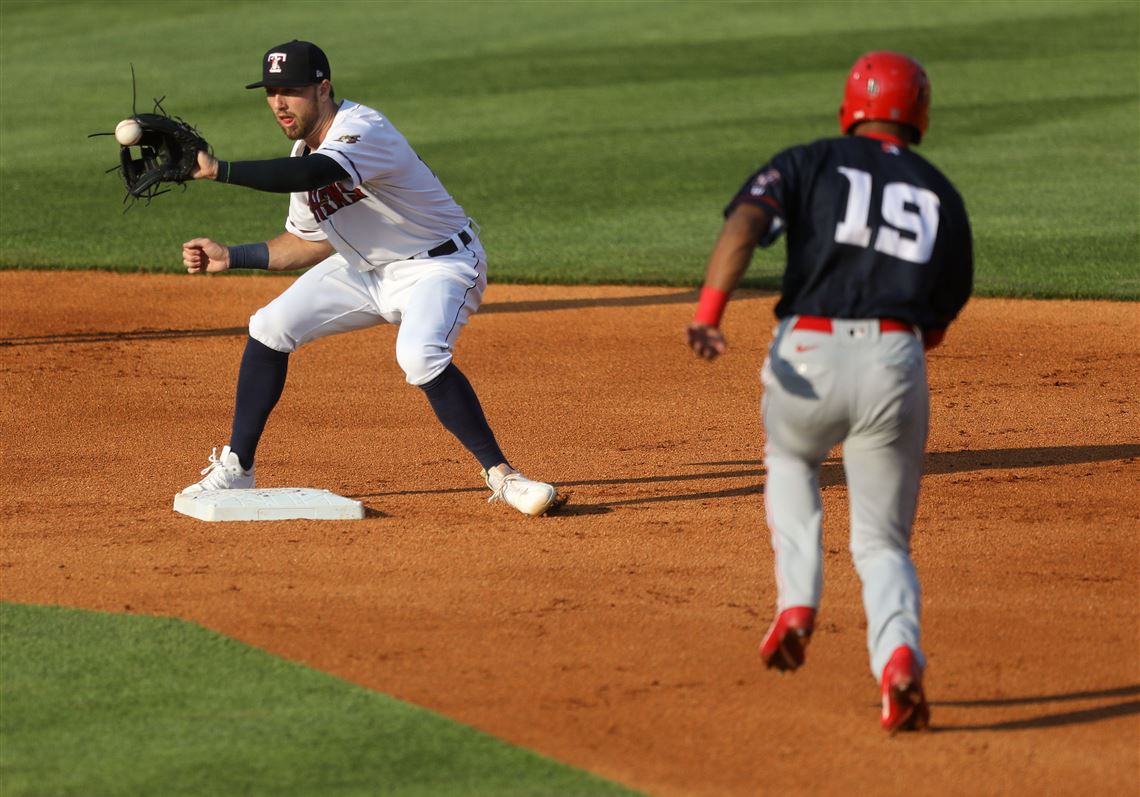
<point>282,503</point>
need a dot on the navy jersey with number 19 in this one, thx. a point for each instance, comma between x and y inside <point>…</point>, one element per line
<point>873,229</point>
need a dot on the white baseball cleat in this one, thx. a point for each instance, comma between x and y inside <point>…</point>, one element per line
<point>526,495</point>
<point>224,473</point>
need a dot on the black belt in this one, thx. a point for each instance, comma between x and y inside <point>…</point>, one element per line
<point>449,246</point>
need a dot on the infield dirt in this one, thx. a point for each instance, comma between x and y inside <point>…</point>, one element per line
<point>619,635</point>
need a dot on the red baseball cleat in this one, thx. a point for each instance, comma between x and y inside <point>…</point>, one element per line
<point>783,646</point>
<point>904,703</point>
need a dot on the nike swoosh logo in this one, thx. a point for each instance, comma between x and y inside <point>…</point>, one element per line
<point>800,348</point>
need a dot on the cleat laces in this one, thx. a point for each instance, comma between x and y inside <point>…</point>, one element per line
<point>214,462</point>
<point>497,492</point>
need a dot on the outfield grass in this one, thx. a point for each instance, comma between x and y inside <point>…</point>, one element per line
<point>100,704</point>
<point>594,141</point>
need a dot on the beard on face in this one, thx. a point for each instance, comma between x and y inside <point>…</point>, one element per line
<point>296,131</point>
<point>304,122</point>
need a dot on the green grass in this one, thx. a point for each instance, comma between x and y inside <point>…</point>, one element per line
<point>97,705</point>
<point>594,141</point>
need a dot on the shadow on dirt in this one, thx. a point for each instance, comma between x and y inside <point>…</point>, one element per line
<point>941,462</point>
<point>831,474</point>
<point>71,338</point>
<point>1123,709</point>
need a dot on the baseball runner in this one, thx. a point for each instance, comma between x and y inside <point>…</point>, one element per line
<point>387,243</point>
<point>879,262</point>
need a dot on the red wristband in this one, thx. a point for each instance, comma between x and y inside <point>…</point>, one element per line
<point>710,308</point>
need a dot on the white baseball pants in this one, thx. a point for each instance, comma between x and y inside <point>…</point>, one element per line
<point>431,299</point>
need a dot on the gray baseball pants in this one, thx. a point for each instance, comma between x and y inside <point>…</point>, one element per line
<point>867,389</point>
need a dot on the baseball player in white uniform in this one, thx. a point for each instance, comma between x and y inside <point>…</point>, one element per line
<point>386,243</point>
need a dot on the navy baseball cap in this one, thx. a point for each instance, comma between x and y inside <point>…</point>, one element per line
<point>293,65</point>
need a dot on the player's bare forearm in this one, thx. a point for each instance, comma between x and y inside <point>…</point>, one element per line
<point>744,228</point>
<point>288,252</point>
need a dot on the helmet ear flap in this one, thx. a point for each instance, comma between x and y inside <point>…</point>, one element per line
<point>922,104</point>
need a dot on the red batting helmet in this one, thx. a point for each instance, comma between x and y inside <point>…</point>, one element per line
<point>888,87</point>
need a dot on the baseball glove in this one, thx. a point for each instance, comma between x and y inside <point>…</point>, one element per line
<point>168,153</point>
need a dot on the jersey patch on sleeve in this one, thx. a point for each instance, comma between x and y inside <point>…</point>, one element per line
<point>762,182</point>
<point>348,139</point>
<point>766,187</point>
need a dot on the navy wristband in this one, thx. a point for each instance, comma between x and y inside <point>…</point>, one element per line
<point>249,255</point>
<point>223,172</point>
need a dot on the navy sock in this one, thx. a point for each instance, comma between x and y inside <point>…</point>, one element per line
<point>457,407</point>
<point>261,379</point>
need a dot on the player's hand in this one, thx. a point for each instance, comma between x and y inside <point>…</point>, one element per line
<point>706,341</point>
<point>203,256</point>
<point>207,167</point>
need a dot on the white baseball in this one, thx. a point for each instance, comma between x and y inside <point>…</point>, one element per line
<point>128,132</point>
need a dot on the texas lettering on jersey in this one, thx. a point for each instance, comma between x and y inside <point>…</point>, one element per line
<point>323,202</point>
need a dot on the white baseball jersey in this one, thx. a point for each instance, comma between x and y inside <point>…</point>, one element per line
<point>392,206</point>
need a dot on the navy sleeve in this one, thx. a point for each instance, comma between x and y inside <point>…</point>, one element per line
<point>769,187</point>
<point>283,175</point>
